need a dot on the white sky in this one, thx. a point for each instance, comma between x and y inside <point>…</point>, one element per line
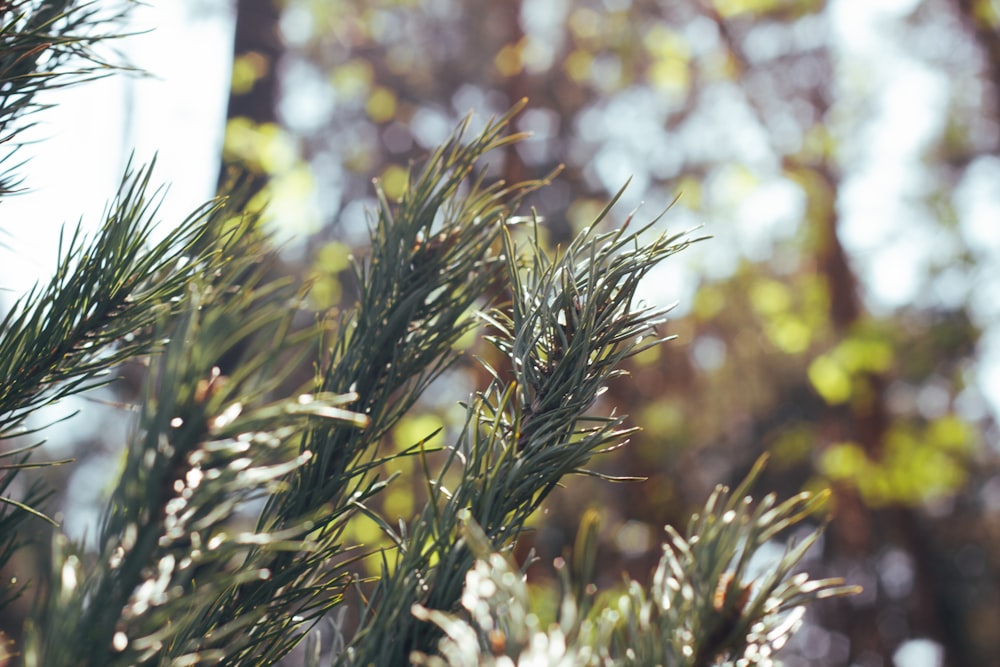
<point>84,142</point>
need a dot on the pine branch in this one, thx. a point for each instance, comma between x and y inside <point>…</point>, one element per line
<point>46,45</point>
<point>430,263</point>
<point>206,447</point>
<point>99,308</point>
<point>571,323</point>
<point>14,516</point>
<point>703,604</point>
<point>103,305</point>
<point>699,610</point>
<point>43,46</point>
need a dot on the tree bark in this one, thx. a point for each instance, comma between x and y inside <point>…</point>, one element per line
<point>257,35</point>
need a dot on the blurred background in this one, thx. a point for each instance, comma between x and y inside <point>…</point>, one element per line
<point>844,316</point>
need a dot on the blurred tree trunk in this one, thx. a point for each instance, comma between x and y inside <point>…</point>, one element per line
<point>257,47</point>
<point>981,18</point>
<point>859,531</point>
<point>982,23</point>
<point>517,88</point>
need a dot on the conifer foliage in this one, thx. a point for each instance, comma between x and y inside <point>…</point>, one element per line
<point>176,578</point>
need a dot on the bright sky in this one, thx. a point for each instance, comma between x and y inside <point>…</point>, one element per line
<point>85,141</point>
